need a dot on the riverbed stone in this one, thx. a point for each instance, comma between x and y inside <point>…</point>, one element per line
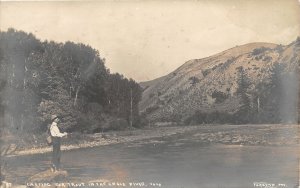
<point>49,176</point>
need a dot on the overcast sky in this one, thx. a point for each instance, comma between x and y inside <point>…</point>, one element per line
<point>148,39</point>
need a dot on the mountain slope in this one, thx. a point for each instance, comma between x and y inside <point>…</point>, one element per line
<point>194,85</point>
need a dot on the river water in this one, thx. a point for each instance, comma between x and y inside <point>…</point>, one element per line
<point>174,161</point>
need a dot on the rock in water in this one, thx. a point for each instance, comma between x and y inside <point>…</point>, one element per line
<point>49,176</point>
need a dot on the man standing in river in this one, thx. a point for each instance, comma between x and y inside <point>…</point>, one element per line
<point>56,140</point>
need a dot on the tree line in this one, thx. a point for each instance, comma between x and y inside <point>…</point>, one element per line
<point>38,79</point>
<point>273,100</point>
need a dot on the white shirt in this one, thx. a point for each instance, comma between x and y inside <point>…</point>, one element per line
<point>54,131</point>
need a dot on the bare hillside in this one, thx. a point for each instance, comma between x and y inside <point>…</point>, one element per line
<point>192,86</point>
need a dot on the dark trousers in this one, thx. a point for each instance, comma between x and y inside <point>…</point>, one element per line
<point>56,152</point>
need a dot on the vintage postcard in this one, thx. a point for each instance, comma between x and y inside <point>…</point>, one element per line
<point>149,93</point>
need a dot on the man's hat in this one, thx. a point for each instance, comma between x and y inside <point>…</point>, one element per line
<point>53,117</point>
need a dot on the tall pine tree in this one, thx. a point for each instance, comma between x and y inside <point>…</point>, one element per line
<point>244,112</point>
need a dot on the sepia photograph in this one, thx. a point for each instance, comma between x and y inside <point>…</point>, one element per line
<point>149,93</point>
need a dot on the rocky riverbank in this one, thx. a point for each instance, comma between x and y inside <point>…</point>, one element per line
<point>269,135</point>
<point>274,135</point>
<point>37,144</point>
